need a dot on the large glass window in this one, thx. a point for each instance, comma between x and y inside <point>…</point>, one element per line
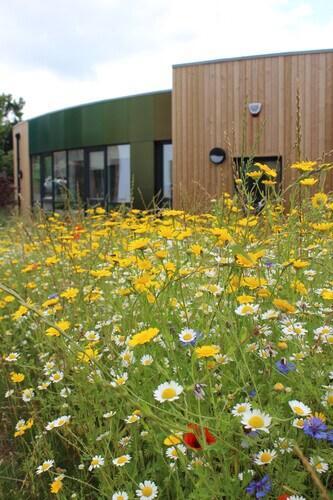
<point>60,179</point>
<point>167,172</point>
<point>96,175</point>
<point>35,173</point>
<point>76,176</point>
<point>47,183</point>
<point>119,173</point>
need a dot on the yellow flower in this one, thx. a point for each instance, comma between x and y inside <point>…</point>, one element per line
<point>300,264</point>
<point>265,168</point>
<point>138,244</point>
<point>284,305</point>
<point>206,351</point>
<point>16,377</point>
<point>89,354</point>
<point>256,174</point>
<point>304,166</point>
<point>322,226</point>
<point>53,332</point>
<point>22,311</point>
<point>269,183</point>
<point>172,440</point>
<point>196,249</point>
<point>310,181</point>
<point>319,200</point>
<point>56,486</point>
<point>327,294</point>
<point>143,337</point>
<point>70,293</point>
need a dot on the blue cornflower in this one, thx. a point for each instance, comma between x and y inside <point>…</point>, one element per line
<point>329,436</point>
<point>259,488</point>
<point>285,366</point>
<point>315,428</point>
<point>252,393</point>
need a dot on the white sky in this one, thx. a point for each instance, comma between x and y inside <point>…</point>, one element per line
<point>67,52</point>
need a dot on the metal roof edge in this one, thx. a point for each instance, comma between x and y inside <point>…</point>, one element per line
<point>257,56</point>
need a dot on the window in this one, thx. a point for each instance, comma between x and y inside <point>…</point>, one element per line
<point>256,187</point>
<point>119,174</point>
<point>47,182</point>
<point>76,176</point>
<point>35,179</point>
<point>167,173</point>
<point>60,179</point>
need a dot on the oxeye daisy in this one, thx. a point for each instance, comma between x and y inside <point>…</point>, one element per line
<point>147,490</point>
<point>239,409</point>
<point>188,336</point>
<point>327,399</point>
<point>45,466</point>
<point>169,391</point>
<point>256,420</point>
<point>122,460</point>
<point>298,423</point>
<point>265,457</point>
<point>120,495</point>
<point>146,360</point>
<point>247,309</point>
<point>174,452</point>
<point>96,462</point>
<point>283,445</point>
<point>299,408</point>
<point>319,465</point>
<point>56,377</point>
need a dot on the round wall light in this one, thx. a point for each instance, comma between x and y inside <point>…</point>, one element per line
<point>217,156</point>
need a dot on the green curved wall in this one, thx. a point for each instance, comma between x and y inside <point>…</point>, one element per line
<point>136,120</point>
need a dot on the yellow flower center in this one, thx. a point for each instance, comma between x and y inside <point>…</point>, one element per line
<point>241,409</point>
<point>298,410</point>
<point>256,421</point>
<point>265,457</point>
<point>187,336</point>
<point>330,399</point>
<point>95,461</point>
<point>147,491</point>
<point>169,393</point>
<point>122,460</point>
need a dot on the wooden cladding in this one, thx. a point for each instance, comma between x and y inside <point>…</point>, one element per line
<point>209,109</point>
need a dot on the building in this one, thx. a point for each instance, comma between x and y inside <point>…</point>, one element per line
<point>110,152</point>
<point>222,112</point>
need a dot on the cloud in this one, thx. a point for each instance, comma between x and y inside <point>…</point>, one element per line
<point>57,54</point>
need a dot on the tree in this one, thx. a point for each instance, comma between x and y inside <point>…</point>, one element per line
<point>11,112</point>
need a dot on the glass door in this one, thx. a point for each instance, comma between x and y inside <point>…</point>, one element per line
<point>96,176</point>
<point>163,173</point>
<point>47,187</point>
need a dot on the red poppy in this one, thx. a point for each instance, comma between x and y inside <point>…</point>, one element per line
<point>283,497</point>
<point>193,439</point>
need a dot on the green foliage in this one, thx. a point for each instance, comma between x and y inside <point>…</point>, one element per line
<point>11,112</point>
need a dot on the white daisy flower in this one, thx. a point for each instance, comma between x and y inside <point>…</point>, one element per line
<point>327,399</point>
<point>57,376</point>
<point>256,420</point>
<point>120,495</point>
<point>92,336</point>
<point>319,465</point>
<point>187,336</point>
<point>169,391</point>
<point>174,452</point>
<point>119,380</point>
<point>239,409</point>
<point>9,393</point>
<point>96,462</point>
<point>127,357</point>
<point>122,460</point>
<point>147,490</point>
<point>58,422</point>
<point>146,360</point>
<point>299,408</point>
<point>264,457</point>
<point>295,330</point>
<point>65,392</point>
<point>27,395</point>
<point>283,445</point>
<point>296,497</point>
<point>131,419</point>
<point>270,314</point>
<point>298,423</point>
<point>12,357</point>
<point>109,414</point>
<point>45,466</point>
<point>247,309</point>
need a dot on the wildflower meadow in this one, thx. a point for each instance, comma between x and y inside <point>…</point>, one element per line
<point>172,355</point>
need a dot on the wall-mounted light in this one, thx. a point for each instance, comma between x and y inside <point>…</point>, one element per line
<point>217,156</point>
<point>255,108</point>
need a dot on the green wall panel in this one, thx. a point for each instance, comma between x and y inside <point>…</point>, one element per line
<point>124,120</point>
<point>136,120</point>
<point>142,162</point>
